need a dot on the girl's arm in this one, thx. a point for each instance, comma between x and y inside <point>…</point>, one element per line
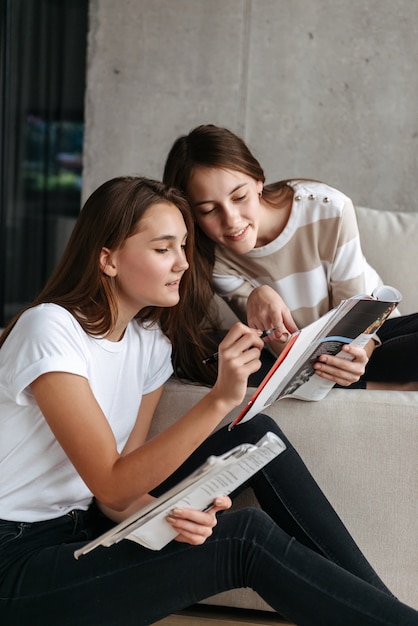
<point>119,480</point>
<point>137,437</point>
<point>146,411</point>
<point>347,271</point>
<point>193,527</point>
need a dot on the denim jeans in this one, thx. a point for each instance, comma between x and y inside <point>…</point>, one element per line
<point>296,553</point>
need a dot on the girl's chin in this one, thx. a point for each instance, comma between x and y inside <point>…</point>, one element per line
<point>242,244</point>
<point>165,303</point>
<point>173,300</point>
<point>240,247</point>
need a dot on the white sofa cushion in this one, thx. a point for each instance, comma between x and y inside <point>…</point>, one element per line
<point>390,244</point>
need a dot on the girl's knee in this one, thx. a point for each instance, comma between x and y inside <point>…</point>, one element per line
<point>253,523</point>
<point>261,424</point>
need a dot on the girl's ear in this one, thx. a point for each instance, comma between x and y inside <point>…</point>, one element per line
<point>106,262</point>
<point>260,185</point>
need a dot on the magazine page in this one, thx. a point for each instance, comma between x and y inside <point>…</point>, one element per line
<point>271,387</point>
<point>310,387</point>
<point>354,320</point>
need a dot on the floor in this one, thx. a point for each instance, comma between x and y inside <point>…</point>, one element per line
<point>221,616</point>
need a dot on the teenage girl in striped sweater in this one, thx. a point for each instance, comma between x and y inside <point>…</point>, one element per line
<point>281,255</point>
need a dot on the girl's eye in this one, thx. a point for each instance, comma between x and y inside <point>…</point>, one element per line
<point>161,250</point>
<point>208,211</point>
<point>240,198</point>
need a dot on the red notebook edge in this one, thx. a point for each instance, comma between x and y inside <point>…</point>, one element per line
<point>265,380</point>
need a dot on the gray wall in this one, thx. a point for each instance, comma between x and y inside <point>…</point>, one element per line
<point>318,88</point>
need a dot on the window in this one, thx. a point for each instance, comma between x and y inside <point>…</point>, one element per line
<point>42,85</point>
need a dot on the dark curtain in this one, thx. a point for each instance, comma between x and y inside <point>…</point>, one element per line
<point>42,85</point>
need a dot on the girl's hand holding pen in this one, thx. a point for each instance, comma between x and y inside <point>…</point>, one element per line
<point>238,357</point>
<point>212,358</point>
<point>266,309</point>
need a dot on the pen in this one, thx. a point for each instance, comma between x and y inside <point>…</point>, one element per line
<point>214,357</point>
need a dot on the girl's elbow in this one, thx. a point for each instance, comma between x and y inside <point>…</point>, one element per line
<point>113,499</point>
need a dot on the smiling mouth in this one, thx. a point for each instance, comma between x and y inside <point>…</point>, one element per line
<point>238,235</point>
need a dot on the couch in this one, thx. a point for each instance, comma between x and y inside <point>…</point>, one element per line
<point>361,446</point>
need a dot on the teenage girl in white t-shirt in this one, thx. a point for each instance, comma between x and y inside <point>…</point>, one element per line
<point>81,373</point>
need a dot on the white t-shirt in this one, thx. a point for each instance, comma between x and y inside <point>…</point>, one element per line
<point>37,480</point>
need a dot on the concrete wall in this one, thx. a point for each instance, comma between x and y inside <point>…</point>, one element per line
<point>318,88</point>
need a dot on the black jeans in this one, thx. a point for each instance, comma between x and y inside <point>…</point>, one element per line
<point>396,360</point>
<point>329,583</point>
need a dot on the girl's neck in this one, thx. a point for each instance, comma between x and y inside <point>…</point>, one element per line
<point>117,333</point>
<point>274,215</point>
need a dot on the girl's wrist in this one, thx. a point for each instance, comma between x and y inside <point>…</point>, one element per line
<point>220,405</point>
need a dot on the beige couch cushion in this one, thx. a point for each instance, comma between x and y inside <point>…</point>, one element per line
<point>390,244</point>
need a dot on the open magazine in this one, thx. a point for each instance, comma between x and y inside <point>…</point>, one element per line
<point>219,476</point>
<point>354,321</point>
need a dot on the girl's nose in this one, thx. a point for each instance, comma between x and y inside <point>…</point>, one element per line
<point>231,215</point>
<point>182,264</point>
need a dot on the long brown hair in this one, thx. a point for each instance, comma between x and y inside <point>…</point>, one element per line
<point>212,147</point>
<point>110,215</point>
